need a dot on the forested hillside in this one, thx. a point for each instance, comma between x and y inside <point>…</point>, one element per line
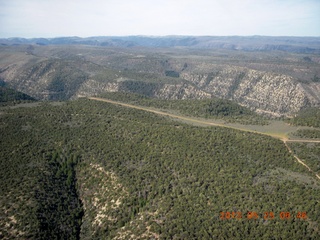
<point>92,170</point>
<point>272,82</point>
<point>10,95</point>
<point>307,117</point>
<point>213,108</point>
<point>310,153</point>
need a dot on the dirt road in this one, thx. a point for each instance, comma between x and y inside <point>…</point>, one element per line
<point>299,160</point>
<point>188,119</point>
<point>210,123</point>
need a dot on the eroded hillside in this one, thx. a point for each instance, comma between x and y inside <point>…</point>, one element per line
<point>273,83</point>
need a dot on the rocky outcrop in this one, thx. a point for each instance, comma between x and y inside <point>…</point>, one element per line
<point>273,94</point>
<point>277,84</point>
<point>181,91</point>
<point>266,93</point>
<point>92,87</point>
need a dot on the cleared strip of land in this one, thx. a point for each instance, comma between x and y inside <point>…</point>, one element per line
<point>299,160</point>
<point>280,136</point>
<point>187,119</point>
<point>303,140</point>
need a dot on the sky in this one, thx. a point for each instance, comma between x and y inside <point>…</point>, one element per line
<point>84,18</point>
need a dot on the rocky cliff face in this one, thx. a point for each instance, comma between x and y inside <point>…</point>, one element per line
<point>181,91</point>
<point>46,79</point>
<point>269,93</point>
<point>266,93</point>
<point>276,84</point>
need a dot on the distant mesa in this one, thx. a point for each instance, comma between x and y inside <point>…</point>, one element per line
<point>246,43</point>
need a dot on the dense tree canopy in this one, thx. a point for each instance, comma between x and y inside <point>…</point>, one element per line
<point>9,95</point>
<point>206,108</point>
<point>307,117</point>
<point>93,170</point>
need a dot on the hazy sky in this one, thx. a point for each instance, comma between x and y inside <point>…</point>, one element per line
<point>83,18</point>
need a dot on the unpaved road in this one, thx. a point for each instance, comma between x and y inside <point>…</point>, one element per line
<point>299,160</point>
<point>188,119</point>
<point>157,112</point>
<point>302,140</point>
<point>207,123</point>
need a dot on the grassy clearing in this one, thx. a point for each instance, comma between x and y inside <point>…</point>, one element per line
<point>277,129</point>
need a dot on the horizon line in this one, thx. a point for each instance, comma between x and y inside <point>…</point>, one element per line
<point>160,36</point>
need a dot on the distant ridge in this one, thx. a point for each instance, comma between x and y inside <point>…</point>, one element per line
<point>245,43</point>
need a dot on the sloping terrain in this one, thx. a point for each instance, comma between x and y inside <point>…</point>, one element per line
<point>10,95</point>
<point>100,171</point>
<point>275,83</point>
<point>84,169</point>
